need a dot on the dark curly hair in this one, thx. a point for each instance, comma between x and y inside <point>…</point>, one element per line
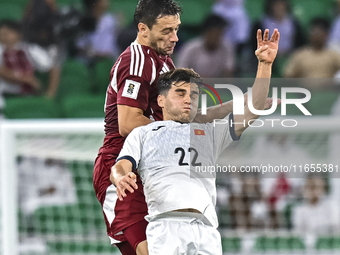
<point>166,80</point>
<point>148,11</point>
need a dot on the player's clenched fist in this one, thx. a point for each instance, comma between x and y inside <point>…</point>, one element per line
<point>123,179</point>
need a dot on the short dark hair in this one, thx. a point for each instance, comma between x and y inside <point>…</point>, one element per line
<point>213,21</point>
<point>11,24</point>
<point>320,22</point>
<point>147,11</point>
<point>166,80</point>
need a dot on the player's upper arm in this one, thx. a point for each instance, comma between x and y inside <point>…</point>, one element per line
<point>224,133</point>
<point>130,118</point>
<point>132,81</point>
<point>242,121</point>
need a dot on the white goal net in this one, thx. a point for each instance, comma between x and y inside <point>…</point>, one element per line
<point>48,205</point>
<point>48,202</point>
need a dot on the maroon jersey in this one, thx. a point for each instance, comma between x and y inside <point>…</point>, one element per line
<point>133,82</point>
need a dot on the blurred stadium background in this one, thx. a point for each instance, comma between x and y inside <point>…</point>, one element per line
<point>51,154</point>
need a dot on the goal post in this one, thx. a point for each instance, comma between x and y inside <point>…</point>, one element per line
<point>8,186</point>
<point>9,178</point>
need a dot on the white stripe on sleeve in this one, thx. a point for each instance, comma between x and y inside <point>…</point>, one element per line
<point>166,67</point>
<point>142,60</point>
<point>153,71</point>
<point>137,60</point>
<point>114,78</point>
<point>132,59</point>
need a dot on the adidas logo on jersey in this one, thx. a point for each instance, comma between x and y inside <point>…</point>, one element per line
<point>165,69</point>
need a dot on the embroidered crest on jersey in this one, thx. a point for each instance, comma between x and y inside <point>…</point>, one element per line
<point>199,132</point>
<point>131,89</point>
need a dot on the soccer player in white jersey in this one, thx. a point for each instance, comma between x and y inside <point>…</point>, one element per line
<point>181,209</point>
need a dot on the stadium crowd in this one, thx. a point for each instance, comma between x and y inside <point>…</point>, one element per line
<point>61,52</point>
<point>84,38</point>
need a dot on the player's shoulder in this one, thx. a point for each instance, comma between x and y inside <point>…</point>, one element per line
<point>138,59</point>
<point>143,130</point>
<point>156,125</point>
<point>137,51</point>
<point>203,126</point>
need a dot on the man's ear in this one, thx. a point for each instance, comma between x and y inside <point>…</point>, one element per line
<point>143,29</point>
<point>160,100</point>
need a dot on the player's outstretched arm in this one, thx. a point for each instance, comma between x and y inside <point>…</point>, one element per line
<point>123,178</point>
<point>215,112</point>
<point>266,53</point>
<point>221,111</point>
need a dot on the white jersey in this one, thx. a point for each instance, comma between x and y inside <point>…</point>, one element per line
<point>164,153</point>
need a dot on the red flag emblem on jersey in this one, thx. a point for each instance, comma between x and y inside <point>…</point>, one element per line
<point>199,132</point>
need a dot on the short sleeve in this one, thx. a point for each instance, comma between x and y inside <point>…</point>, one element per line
<point>133,78</point>
<point>132,148</point>
<point>134,91</point>
<point>224,133</point>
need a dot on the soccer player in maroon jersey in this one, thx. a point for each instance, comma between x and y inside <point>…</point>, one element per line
<point>131,101</point>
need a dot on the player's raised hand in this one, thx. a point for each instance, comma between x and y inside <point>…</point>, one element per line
<point>123,183</point>
<point>267,48</point>
<point>122,177</point>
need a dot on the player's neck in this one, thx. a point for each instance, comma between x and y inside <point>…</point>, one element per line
<point>141,40</point>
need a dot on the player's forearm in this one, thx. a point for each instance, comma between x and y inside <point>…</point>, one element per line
<point>214,112</point>
<point>261,85</point>
<point>259,95</point>
<point>118,171</point>
<point>217,112</point>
